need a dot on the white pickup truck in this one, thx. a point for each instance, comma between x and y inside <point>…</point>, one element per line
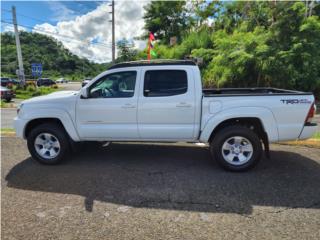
<point>163,101</point>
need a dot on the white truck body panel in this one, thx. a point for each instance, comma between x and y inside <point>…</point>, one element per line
<point>107,118</point>
<point>191,116</point>
<point>165,118</point>
<point>281,121</point>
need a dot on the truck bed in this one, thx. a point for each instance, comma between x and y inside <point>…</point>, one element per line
<point>249,92</point>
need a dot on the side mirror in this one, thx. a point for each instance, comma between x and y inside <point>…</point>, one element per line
<point>84,93</point>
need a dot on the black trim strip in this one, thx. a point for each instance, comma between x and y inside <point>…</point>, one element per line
<point>257,94</point>
<point>160,62</point>
<point>310,124</point>
<point>232,92</point>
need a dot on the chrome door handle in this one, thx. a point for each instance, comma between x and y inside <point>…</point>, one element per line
<point>128,105</point>
<point>183,104</point>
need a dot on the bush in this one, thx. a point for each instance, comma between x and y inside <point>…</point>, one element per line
<point>31,88</point>
<point>35,94</point>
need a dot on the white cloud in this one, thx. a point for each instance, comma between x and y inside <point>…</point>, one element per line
<point>60,11</point>
<point>89,35</point>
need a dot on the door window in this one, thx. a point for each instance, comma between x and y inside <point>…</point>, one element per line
<point>115,85</point>
<point>160,83</point>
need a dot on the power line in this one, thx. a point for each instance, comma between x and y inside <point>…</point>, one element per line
<point>60,35</point>
<point>65,36</point>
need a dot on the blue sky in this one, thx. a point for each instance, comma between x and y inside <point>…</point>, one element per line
<point>30,13</point>
<point>82,26</point>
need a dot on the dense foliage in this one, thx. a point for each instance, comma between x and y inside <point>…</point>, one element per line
<point>37,48</point>
<point>166,19</point>
<point>249,44</point>
<point>242,44</point>
<point>126,51</point>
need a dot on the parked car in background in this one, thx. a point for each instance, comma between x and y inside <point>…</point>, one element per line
<point>45,82</point>
<point>14,81</point>
<point>6,93</point>
<point>85,81</point>
<point>62,80</point>
<point>6,82</point>
<point>9,82</point>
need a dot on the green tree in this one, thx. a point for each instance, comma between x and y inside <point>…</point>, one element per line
<point>37,48</point>
<point>126,51</point>
<point>165,19</point>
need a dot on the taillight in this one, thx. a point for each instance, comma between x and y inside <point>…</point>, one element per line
<point>311,113</point>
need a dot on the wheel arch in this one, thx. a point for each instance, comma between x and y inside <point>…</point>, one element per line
<point>53,116</point>
<point>253,123</point>
<point>261,119</point>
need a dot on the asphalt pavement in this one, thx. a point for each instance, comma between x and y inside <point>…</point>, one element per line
<point>159,191</point>
<point>70,86</point>
<point>7,116</point>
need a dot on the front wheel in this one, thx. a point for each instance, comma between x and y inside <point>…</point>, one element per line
<point>48,143</point>
<point>236,148</point>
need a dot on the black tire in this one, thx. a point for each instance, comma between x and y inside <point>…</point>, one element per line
<point>216,148</point>
<point>8,100</point>
<point>58,132</point>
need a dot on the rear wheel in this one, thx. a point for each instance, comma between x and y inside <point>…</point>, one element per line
<point>48,143</point>
<point>236,148</point>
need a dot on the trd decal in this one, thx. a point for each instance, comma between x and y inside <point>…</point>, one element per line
<point>295,101</point>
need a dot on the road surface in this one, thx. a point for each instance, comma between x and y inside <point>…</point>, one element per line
<point>159,191</point>
<point>7,116</point>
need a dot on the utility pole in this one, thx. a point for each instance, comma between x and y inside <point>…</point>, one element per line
<point>113,37</point>
<point>20,72</point>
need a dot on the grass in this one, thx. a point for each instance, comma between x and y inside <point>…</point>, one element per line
<point>28,92</point>
<point>7,132</point>
<point>31,91</point>
<point>3,104</point>
<point>316,135</point>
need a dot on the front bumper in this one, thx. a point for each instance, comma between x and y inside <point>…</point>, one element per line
<point>19,125</point>
<point>308,131</point>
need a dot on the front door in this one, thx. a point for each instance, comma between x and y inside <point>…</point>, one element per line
<point>110,111</point>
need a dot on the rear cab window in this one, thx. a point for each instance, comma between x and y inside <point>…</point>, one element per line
<point>161,83</point>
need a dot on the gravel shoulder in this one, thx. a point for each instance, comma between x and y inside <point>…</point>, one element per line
<point>159,191</point>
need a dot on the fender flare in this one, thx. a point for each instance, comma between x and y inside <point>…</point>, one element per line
<point>59,114</point>
<point>266,117</point>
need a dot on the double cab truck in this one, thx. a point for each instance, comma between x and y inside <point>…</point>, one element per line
<point>163,101</point>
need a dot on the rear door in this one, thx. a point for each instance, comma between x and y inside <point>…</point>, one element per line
<point>166,107</point>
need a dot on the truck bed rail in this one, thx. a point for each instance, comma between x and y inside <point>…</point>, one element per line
<point>250,92</point>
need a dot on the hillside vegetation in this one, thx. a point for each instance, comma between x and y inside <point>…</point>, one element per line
<point>37,48</point>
